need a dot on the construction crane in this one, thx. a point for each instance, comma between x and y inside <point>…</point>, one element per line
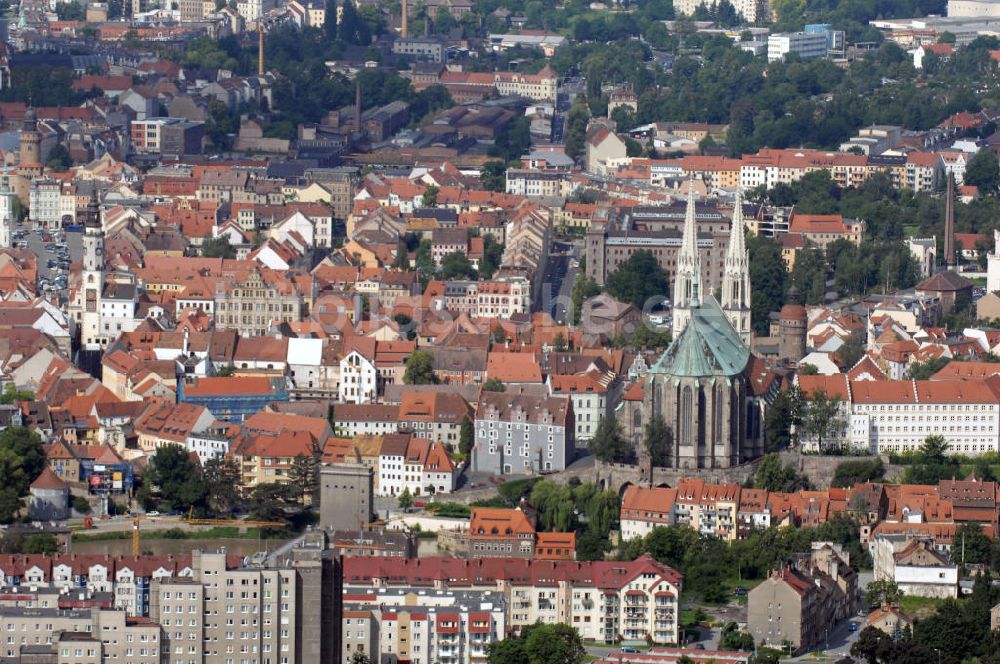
<point>189,520</point>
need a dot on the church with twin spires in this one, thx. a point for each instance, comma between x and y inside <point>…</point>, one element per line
<point>703,384</point>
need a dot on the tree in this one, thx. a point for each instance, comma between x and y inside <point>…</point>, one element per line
<point>217,247</point>
<point>983,171</point>
<point>492,257</point>
<point>783,414</point>
<point>304,476</point>
<point>12,395</point>
<point>494,385</point>
<point>883,591</point>
<point>430,196</point>
<point>767,280</point>
<point>559,342</point>
<point>576,127</point>
<point>466,436</point>
<point>539,644</point>
<point>858,471</point>
<point>822,417</point>
<point>608,444</point>
<point>59,159</point>
<point>774,476</point>
<point>584,288</point>
<point>272,501</point>
<point>493,176</point>
<point>172,481</point>
<point>222,482</point>
<point>80,505</point>
<point>219,124</point>
<point>456,265</point>
<point>871,642</point>
<point>924,370</point>
<point>352,30</point>
<point>359,657</point>
<point>401,261</point>
<point>638,280</point>
<point>70,11</point>
<point>41,543</point>
<point>850,353</point>
<point>932,463</point>
<point>405,499</point>
<point>420,369</point>
<point>658,440</point>
<point>330,20</point>
<point>27,445</point>
<point>970,545</point>
<point>733,639</point>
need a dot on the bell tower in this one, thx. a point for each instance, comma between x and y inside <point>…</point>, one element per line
<point>92,275</point>
<point>688,281</point>
<point>735,298</point>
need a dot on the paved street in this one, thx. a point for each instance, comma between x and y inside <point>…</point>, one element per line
<point>560,275</point>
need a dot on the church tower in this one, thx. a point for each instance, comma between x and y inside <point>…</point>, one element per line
<point>735,298</point>
<point>30,142</point>
<point>92,276</point>
<point>688,281</point>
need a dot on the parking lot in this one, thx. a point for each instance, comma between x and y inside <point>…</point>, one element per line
<point>56,250</point>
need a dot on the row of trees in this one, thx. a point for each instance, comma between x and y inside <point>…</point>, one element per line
<point>576,506</point>
<point>959,631</point>
<point>708,562</point>
<point>173,482</point>
<point>22,460</point>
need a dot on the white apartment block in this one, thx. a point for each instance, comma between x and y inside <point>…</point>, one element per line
<point>358,379</point>
<point>525,182</point>
<point>603,600</point>
<point>898,415</point>
<point>915,565</point>
<point>804,44</point>
<point>45,203</point>
<point>426,627</point>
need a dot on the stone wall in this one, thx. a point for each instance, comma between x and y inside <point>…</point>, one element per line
<point>820,469</point>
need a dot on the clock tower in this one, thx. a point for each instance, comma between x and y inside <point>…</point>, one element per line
<point>92,276</point>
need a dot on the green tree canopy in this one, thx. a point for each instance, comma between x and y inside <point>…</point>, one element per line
<point>420,369</point>
<point>172,481</point>
<point>639,279</point>
<point>608,443</point>
<point>217,247</point>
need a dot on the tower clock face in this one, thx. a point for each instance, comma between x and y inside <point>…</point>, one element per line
<point>99,250</point>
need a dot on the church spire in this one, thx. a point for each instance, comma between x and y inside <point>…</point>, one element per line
<point>735,299</point>
<point>687,285</point>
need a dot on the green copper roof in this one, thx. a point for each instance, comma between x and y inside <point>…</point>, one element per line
<point>707,346</point>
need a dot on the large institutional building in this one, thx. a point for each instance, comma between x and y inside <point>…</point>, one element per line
<point>701,384</point>
<point>660,230</point>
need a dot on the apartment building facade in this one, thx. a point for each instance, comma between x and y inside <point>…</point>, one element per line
<point>515,433</point>
<point>897,415</point>
<point>425,628</point>
<point>603,600</point>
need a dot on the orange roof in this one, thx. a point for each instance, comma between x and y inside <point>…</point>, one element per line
<point>209,386</point>
<point>513,367</point>
<point>498,522</point>
<point>649,504</point>
<point>48,481</point>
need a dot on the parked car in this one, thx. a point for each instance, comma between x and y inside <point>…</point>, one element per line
<point>630,649</point>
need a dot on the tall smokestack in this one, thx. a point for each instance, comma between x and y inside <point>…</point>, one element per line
<point>260,48</point>
<point>403,30</point>
<point>949,222</point>
<point>357,104</point>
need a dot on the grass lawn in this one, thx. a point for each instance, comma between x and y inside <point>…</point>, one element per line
<point>919,607</point>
